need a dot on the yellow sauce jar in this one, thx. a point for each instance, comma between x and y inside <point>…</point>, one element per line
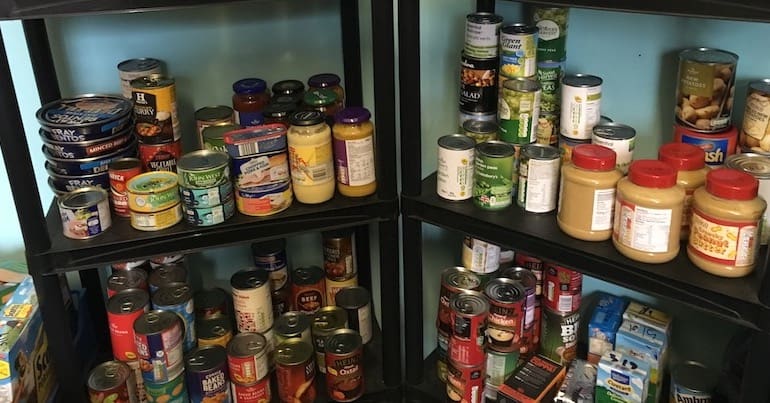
<point>724,233</point>
<point>310,157</point>
<point>354,152</point>
<point>690,164</point>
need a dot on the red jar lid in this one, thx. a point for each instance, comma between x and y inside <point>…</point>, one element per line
<point>682,156</point>
<point>594,157</point>
<point>731,184</point>
<point>652,174</point>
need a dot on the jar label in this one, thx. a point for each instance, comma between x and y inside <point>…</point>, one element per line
<point>723,241</point>
<point>249,118</point>
<point>604,204</point>
<point>311,165</point>
<point>642,228</point>
<point>354,160</point>
<point>756,119</point>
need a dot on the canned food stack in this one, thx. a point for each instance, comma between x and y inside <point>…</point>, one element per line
<point>156,122</point>
<point>479,65</point>
<point>131,69</point>
<point>205,186</point>
<point>340,266</point>
<point>551,56</point>
<point>153,200</point>
<point>208,116</point>
<point>560,317</point>
<point>271,256</point>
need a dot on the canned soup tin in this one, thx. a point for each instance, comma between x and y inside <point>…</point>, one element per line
<point>705,91</point>
<point>203,169</point>
<point>454,176</point>
<point>85,213</point>
<point>493,174</point>
<point>344,365</point>
<point>581,96</point>
<point>247,358</point>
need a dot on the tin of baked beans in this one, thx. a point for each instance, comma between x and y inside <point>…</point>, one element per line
<point>308,289</point>
<point>559,334</point>
<point>167,275</point>
<point>619,138</point>
<point>718,146</point>
<point>482,31</point>
<point>518,47</point>
<point>207,377</point>
<point>469,326</point>
<point>755,129</point>
<point>123,309</point>
<point>208,216</point>
<point>152,191</point>
<point>500,366</point>
<point>203,169</point>
<point>705,89</point>
<point>479,256</point>
<point>120,172</point>
<point>505,323</point>
<point>159,338</point>
<point>126,279</point>
<point>479,130</point>
<point>214,136</point>
<point>581,96</point>
<point>255,393</point>
<point>157,221</point>
<point>84,117</point>
<point>251,300</point>
<point>759,167</point>
<point>547,130</point>
<point>478,84</point>
<point>549,75</point>
<point>212,116</point>
<point>492,178</point>
<point>207,197</point>
<point>691,381</point>
<point>538,178</point>
<point>281,301</point>
<point>293,324</point>
<point>85,213</point>
<point>155,112</point>
<point>529,282</point>
<point>534,265</point>
<point>442,343</point>
<point>339,251</point>
<point>344,365</point>
<point>295,371</point>
<point>454,175</point>
<point>566,145</point>
<point>172,391</point>
<point>265,200</point>
<point>271,256</point>
<point>356,301</point>
<point>333,287</point>
<point>211,303</point>
<point>132,69</point>
<point>563,288</point>
<point>112,381</point>
<point>177,298</point>
<point>465,383</point>
<point>247,358</point>
<point>213,331</point>
<point>518,110</point>
<point>325,321</point>
<point>160,157</point>
<point>143,265</point>
<point>453,280</point>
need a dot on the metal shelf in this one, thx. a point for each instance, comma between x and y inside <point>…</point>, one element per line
<point>28,9</point>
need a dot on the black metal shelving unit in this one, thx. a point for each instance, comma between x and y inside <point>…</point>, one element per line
<point>50,254</point>
<point>743,301</point>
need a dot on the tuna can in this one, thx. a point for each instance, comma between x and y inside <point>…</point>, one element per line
<point>152,191</point>
<point>120,172</point>
<point>518,47</point>
<point>581,100</point>
<point>692,381</point>
<point>292,325</point>
<point>479,256</point>
<point>469,326</point>
<point>549,75</point>
<point>442,345</point>
<point>208,216</point>
<point>566,145</point>
<point>203,169</point>
<point>308,290</point>
<point>534,265</point>
<point>155,113</point>
<point>123,309</point>
<point>157,221</point>
<point>482,31</point>
<point>492,178</point>
<point>177,298</point>
<point>528,280</point>
<point>538,178</point>
<point>479,130</point>
<point>325,322</point>
<point>453,281</point>
<point>85,213</point>
<point>261,169</point>
<point>281,301</point>
<point>251,300</point>
<point>718,146</point>
<point>126,279</point>
<point>265,200</point>
<point>165,276</point>
<point>159,338</point>
<point>339,250</point>
<point>507,310</point>
<point>255,140</point>
<point>216,331</point>
<point>112,381</point>
<point>478,84</point>
<point>454,175</point>
<point>500,366</point>
<point>271,256</point>
<point>563,288</point>
<point>207,197</point>
<point>132,69</point>
<point>295,371</point>
<point>87,149</point>
<point>85,166</point>
<point>214,136</point>
<point>212,116</point>
<point>84,118</point>
<point>464,116</point>
<point>559,334</point>
<point>619,138</point>
<point>552,32</point>
<point>465,383</point>
<point>547,130</point>
<point>247,358</point>
<point>206,372</point>
<point>518,110</point>
<point>62,184</point>
<point>333,287</point>
<point>160,157</point>
<point>344,365</point>
<point>705,89</point>
<point>173,391</point>
<point>356,302</point>
<point>758,166</point>
<point>755,130</point>
<point>258,392</point>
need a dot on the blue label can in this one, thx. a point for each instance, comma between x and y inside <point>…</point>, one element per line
<point>177,298</point>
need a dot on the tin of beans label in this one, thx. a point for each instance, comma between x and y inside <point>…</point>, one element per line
<point>256,393</point>
<point>500,366</point>
<point>208,216</point>
<point>173,391</point>
<point>559,335</point>
<point>465,383</point>
<point>207,378</point>
<point>492,177</point>
<point>208,197</point>
<point>518,110</point>
<point>563,288</point>
<point>552,32</point>
<point>478,84</point>
<point>160,157</point>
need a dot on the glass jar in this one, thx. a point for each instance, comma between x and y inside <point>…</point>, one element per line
<point>690,164</point>
<point>587,193</point>
<point>251,96</point>
<point>310,157</point>
<point>648,212</point>
<point>324,101</point>
<point>726,214</point>
<point>329,81</point>
<point>288,87</point>
<point>354,152</point>
<point>278,113</point>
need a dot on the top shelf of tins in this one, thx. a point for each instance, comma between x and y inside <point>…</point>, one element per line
<point>29,9</point>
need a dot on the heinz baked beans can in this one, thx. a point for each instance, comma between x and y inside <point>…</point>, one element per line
<point>164,276</point>
<point>159,338</point>
<point>333,287</point>
<point>356,302</point>
<point>121,171</point>
<point>559,334</point>
<point>453,280</point>
<point>308,289</point>
<point>506,314</point>
<point>172,391</point>
<point>112,381</point>
<point>718,146</point>
<point>295,371</point>
<point>256,393</point>
<point>339,251</point>
<point>327,320</point>
<point>177,298</point>
<point>529,282</point>
<point>160,157</point>
<point>216,331</point>
<point>155,113</point>
<point>465,383</point>
<point>126,279</point>
<point>344,365</point>
<point>271,256</point>
<point>251,300</point>
<point>211,303</point>
<point>535,265</point>
<point>247,358</point>
<point>123,309</point>
<point>469,326</point>
<point>292,325</point>
<point>563,288</point>
<point>206,372</point>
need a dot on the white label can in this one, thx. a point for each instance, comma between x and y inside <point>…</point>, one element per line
<point>619,138</point>
<point>251,300</point>
<point>581,97</point>
<point>482,31</point>
<point>538,178</point>
<point>455,167</point>
<point>479,256</point>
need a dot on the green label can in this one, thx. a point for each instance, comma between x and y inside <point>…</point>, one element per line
<point>493,175</point>
<point>549,75</point>
<point>500,366</point>
<point>518,110</point>
<point>518,46</point>
<point>173,391</point>
<point>559,334</point>
<point>552,31</point>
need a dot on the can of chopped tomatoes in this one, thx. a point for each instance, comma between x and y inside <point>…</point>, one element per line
<point>247,358</point>
<point>563,288</point>
<point>344,366</point>
<point>295,371</point>
<point>469,327</point>
<point>123,309</point>
<point>120,171</point>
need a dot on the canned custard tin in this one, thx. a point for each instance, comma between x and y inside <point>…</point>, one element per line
<point>112,381</point>
<point>619,138</point>
<point>203,169</point>
<point>208,216</point>
<point>538,178</point>
<point>344,365</point>
<point>206,372</point>
<point>454,176</point>
<point>481,35</point>
<point>492,178</point>
<point>84,118</point>
<point>478,84</point>
<point>152,191</point>
<point>705,90</point>
<point>85,213</point>
<point>356,302</point>
<point>518,46</point>
<point>247,358</point>
<point>207,197</point>
<point>518,110</point>
<point>581,96</point>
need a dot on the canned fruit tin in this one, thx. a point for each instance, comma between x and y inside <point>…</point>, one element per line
<point>264,200</point>
<point>465,383</point>
<point>207,197</point>
<point>87,149</point>
<point>705,89</point>
<point>212,116</point>
<point>177,298</point>
<point>166,275</point>
<point>356,302</point>
<point>563,288</point>
<point>62,184</point>
<point>552,25</point>
<point>158,220</point>
<point>507,309</point>
<point>308,289</point>
<point>547,130</point>
<point>692,381</point>
<point>159,338</point>
<point>85,213</point>
<point>325,321</point>
<point>86,166</point>
<point>500,366</point>
<point>214,136</point>
<point>755,130</point>
<point>518,47</point>
<point>481,34</point>
<point>293,324</point>
<point>478,84</point>
<point>339,253</point>
<point>160,157</point>
<point>453,280</point>
<point>213,331</point>
<point>538,178</point>
<point>718,146</point>
<point>581,97</point>
<point>132,69</point>
<point>208,216</point>
<point>125,280</point>
<point>251,300</point>
<point>120,172</point>
<point>619,138</point>
<point>261,169</point>
<point>256,393</point>
<point>152,191</point>
<point>559,333</point>
<point>255,140</point>
<point>85,117</point>
<point>566,145</point>
<point>344,365</point>
<point>112,381</point>
<point>518,110</point>
<point>155,112</point>
<point>758,166</point>
<point>295,371</point>
<point>454,176</point>
<point>479,130</point>
<point>492,183</point>
<point>123,309</point>
<point>247,358</point>
<point>469,325</point>
<point>333,287</point>
<point>203,169</point>
<point>173,391</point>
<point>206,372</point>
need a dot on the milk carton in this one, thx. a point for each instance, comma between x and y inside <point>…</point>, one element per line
<point>621,379</point>
<point>604,323</point>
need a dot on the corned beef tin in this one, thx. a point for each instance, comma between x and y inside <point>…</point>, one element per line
<point>718,146</point>
<point>469,326</point>
<point>120,172</point>
<point>123,309</point>
<point>207,378</point>
<point>159,337</point>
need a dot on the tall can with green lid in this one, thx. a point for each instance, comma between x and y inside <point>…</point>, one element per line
<point>493,175</point>
<point>518,110</point>
<point>552,24</point>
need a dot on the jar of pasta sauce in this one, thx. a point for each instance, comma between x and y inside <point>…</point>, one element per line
<point>726,214</point>
<point>250,98</point>
<point>354,152</point>
<point>689,162</point>
<point>324,101</point>
<point>327,81</point>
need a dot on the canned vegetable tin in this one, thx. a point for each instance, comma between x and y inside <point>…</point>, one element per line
<point>478,84</point>
<point>292,325</point>
<point>705,90</point>
<point>481,34</point>
<point>333,287</point>
<point>308,291</point>
<point>207,197</point>
<point>356,302</point>
<point>132,69</point>
<point>465,383</point>
<point>155,112</point>
<point>247,358</point>
<point>454,176</point>
<point>480,130</point>
<point>121,171</point>
<point>758,166</point>
<point>552,32</point>
<point>718,146</point>
<point>538,178</point>
<point>271,256</point>
<point>559,333</point>
<point>123,309</point>
<point>214,136</point>
<point>507,310</point>
<point>549,75</point>
<point>339,251</point>
<point>581,97</point>
<point>692,381</point>
<point>325,322</point>
<point>160,157</point>
<point>518,110</point>
<point>216,331</point>
<point>563,288</point>
<point>469,325</point>
<point>152,192</point>
<point>207,378</point>
<point>167,275</point>
<point>112,381</point>
<point>755,130</point>
<point>295,371</point>
<point>251,300</point>
<point>518,46</point>
<point>159,337</point>
<point>500,366</point>
<point>177,298</point>
<point>173,391</point>
<point>212,116</point>
<point>85,213</point>
<point>203,169</point>
<point>344,365</point>
<point>208,216</point>
<point>619,138</point>
<point>126,279</point>
<point>492,178</point>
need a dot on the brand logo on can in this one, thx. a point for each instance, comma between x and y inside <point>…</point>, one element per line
<point>716,149</point>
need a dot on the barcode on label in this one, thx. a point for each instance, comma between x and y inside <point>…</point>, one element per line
<point>246,322</point>
<point>248,149</point>
<point>565,303</point>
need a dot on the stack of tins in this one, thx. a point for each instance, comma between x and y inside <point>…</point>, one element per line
<point>207,192</point>
<point>339,263</point>
<point>131,69</point>
<point>260,169</point>
<point>156,122</point>
<point>271,257</point>
<point>208,116</point>
<point>551,54</point>
<point>478,76</point>
<point>154,201</point>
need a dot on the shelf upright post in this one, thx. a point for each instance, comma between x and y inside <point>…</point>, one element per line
<point>43,67</point>
<point>351,52</point>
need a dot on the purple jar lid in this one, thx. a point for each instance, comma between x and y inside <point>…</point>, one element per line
<point>353,114</point>
<point>250,86</point>
<point>324,80</point>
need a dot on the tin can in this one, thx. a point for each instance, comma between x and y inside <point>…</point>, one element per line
<point>165,276</point>
<point>325,322</point>
<point>566,145</point>
<point>207,377</point>
<point>559,334</point>
<point>758,166</point>
<point>177,298</point>
<point>339,251</point>
<point>271,256</point>
<point>143,265</point>
<point>203,169</point>
<point>157,261</point>
<point>308,290</point>
<point>482,31</point>
<point>718,146</point>
<point>563,288</point>
<point>173,391</point>
<point>528,280</point>
<point>500,366</point>
<point>293,324</point>
<point>152,192</point>
<point>247,358</point>
<point>479,256</point>
<point>465,383</point>
<point>518,110</point>
<point>85,166</point>
<point>295,371</point>
<point>160,157</point>
<point>132,69</point>
<point>453,281</point>
<point>261,169</point>
<point>112,381</point>
<point>464,116</point>
<point>255,140</point>
<point>87,149</point>
<point>469,325</point>
<point>619,138</point>
<point>538,178</point>
<point>507,310</point>
<point>251,300</point>
<point>84,118</point>
<point>552,25</point>
<point>62,184</point>
<point>344,365</point>
<point>271,343</point>
<point>207,197</point>
<point>281,301</point>
<point>454,176</point>
<point>255,393</point>
<point>442,345</point>
<point>159,338</point>
<point>536,327</point>
<point>126,279</point>
<point>85,213</point>
<point>705,89</point>
<point>208,216</point>
<point>755,129</point>
<point>549,75</point>
<point>120,172</point>
<point>265,200</point>
<point>534,265</point>
<point>356,302</point>
<point>213,331</point>
<point>518,47</point>
<point>478,84</point>
<point>547,130</point>
<point>492,183</point>
<point>692,381</point>
<point>212,116</point>
<point>155,113</point>
<point>123,309</point>
<point>333,287</point>
<point>214,136</point>
<point>479,130</point>
<point>581,96</point>
<point>157,221</point>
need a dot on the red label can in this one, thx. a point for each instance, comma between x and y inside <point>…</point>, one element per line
<point>718,146</point>
<point>160,157</point>
<point>469,327</point>
<point>505,325</point>
<point>247,358</point>
<point>535,265</point>
<point>562,288</point>
<point>453,280</point>
<point>308,289</point>
<point>535,341</point>
<point>295,371</point>
<point>120,171</point>
<point>123,309</point>
<point>465,383</point>
<point>344,366</point>
<point>256,393</point>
